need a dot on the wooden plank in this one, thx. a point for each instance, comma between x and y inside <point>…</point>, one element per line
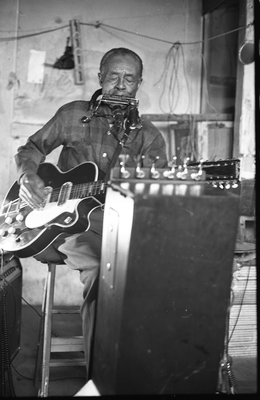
<point>77,52</point>
<point>67,344</point>
<point>188,117</point>
<point>239,84</point>
<point>243,313</point>
<point>67,362</point>
<point>214,140</point>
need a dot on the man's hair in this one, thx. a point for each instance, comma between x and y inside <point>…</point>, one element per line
<point>120,51</point>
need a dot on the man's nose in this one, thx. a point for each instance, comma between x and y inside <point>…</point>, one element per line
<point>120,83</point>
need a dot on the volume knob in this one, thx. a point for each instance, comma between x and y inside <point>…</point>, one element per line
<point>8,220</point>
<point>19,217</point>
<point>12,230</point>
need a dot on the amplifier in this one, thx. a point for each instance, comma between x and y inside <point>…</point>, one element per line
<point>164,288</point>
<point>11,291</point>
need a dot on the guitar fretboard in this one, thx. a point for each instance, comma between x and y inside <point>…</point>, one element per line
<point>79,191</point>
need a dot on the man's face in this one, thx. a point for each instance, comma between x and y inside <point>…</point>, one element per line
<point>120,76</point>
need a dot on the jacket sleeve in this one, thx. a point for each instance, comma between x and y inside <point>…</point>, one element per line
<point>38,146</point>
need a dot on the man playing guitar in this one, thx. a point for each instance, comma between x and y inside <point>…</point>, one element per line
<point>95,132</point>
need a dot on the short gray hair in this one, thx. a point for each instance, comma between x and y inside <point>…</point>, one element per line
<point>121,51</point>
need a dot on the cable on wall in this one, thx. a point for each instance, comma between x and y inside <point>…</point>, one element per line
<point>100,25</point>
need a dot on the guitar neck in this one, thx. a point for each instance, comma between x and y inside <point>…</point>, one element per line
<point>78,191</point>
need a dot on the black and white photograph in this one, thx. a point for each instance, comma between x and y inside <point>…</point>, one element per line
<point>128,197</point>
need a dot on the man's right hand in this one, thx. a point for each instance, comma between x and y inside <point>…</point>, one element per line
<point>32,190</point>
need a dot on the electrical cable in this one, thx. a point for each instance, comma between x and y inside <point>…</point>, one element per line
<point>172,55</point>
<point>206,87</point>
<point>52,380</point>
<point>100,25</point>
<point>187,82</point>
<point>174,82</point>
<point>8,39</point>
<point>23,298</point>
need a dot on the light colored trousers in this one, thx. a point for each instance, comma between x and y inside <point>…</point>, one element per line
<point>82,252</point>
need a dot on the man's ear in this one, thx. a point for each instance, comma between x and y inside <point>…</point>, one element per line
<point>100,78</point>
<point>140,81</point>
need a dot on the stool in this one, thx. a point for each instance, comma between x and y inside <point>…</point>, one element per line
<point>48,344</point>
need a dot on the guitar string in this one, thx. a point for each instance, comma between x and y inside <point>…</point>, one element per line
<point>81,189</point>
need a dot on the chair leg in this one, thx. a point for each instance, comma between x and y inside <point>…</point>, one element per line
<point>47,330</point>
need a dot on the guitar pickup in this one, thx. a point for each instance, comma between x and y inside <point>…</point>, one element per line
<point>64,194</point>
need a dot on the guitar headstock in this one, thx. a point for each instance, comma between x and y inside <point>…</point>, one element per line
<point>224,174</point>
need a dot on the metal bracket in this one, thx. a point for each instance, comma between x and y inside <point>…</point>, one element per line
<point>77,51</point>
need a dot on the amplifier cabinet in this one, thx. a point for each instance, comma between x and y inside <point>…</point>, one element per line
<point>164,288</point>
<point>11,290</point>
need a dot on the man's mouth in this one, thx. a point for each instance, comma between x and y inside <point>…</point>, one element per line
<point>120,93</point>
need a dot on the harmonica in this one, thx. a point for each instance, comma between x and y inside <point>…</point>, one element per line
<point>121,100</point>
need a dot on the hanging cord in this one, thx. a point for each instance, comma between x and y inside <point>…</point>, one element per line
<point>227,383</point>
<point>226,366</point>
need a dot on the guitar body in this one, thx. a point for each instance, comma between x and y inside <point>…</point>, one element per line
<point>36,229</point>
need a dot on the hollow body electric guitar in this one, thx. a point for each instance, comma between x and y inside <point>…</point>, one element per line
<point>75,194</point>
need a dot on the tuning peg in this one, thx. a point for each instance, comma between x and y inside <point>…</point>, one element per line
<point>172,164</point>
<point>227,185</point>
<point>183,171</point>
<point>139,173</point>
<point>201,163</point>
<point>186,161</point>
<point>197,175</point>
<point>185,167</point>
<point>154,174</point>
<point>122,160</point>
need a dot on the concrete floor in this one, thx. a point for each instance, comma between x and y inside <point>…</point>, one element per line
<point>67,382</point>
